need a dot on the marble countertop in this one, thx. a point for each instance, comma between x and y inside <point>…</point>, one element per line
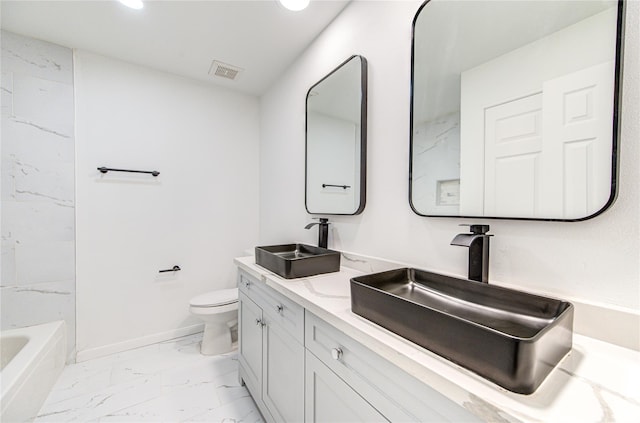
<point>595,382</point>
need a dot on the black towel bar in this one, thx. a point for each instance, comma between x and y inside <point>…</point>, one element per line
<point>108,169</point>
<point>337,186</point>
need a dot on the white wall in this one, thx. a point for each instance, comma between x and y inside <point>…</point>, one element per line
<point>333,146</point>
<point>596,260</point>
<point>38,265</point>
<point>199,213</point>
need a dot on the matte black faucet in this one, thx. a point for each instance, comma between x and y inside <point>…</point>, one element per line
<point>478,243</point>
<point>323,231</point>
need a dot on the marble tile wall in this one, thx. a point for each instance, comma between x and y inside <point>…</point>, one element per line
<point>436,157</point>
<point>38,204</point>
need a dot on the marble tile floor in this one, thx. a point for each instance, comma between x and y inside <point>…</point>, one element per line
<point>166,382</point>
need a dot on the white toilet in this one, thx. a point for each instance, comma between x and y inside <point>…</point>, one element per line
<point>219,311</point>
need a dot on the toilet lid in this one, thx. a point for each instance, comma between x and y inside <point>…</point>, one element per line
<point>216,298</point>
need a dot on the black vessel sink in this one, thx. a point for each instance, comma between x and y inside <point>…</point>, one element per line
<point>297,260</point>
<point>510,337</point>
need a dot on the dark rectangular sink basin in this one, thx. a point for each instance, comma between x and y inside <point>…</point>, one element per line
<point>297,260</point>
<point>510,337</point>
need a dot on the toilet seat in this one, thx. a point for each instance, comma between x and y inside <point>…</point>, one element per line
<point>217,298</point>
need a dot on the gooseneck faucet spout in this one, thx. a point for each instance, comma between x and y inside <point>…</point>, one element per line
<point>478,243</point>
<point>323,231</point>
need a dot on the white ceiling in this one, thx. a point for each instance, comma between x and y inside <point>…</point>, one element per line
<point>182,37</point>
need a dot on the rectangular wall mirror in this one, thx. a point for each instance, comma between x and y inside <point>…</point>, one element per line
<point>336,140</point>
<point>514,108</point>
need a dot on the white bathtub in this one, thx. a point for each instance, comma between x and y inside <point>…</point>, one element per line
<point>32,359</point>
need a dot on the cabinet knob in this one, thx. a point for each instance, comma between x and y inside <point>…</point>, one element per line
<point>336,353</point>
<point>260,323</point>
<point>279,308</point>
<point>247,284</point>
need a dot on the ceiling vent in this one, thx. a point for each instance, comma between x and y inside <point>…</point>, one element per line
<point>224,70</point>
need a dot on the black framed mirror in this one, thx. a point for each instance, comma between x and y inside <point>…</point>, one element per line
<point>514,108</point>
<point>336,141</point>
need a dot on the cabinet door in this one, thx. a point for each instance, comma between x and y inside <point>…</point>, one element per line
<point>283,374</point>
<point>329,399</point>
<point>250,342</point>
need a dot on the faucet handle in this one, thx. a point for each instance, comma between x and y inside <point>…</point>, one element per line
<point>477,229</point>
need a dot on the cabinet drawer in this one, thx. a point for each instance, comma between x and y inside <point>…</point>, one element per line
<point>276,307</point>
<point>328,399</point>
<point>394,393</point>
<point>246,282</point>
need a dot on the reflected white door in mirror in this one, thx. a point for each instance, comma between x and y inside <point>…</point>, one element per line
<point>514,109</point>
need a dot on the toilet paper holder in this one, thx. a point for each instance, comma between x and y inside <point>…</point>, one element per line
<point>173,269</point>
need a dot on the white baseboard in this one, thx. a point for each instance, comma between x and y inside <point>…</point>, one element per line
<point>130,344</point>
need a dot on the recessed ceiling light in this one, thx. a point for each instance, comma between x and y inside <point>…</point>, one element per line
<point>294,5</point>
<point>134,4</point>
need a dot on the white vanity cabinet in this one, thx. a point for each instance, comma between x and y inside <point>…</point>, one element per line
<point>299,368</point>
<point>271,353</point>
<point>396,395</point>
